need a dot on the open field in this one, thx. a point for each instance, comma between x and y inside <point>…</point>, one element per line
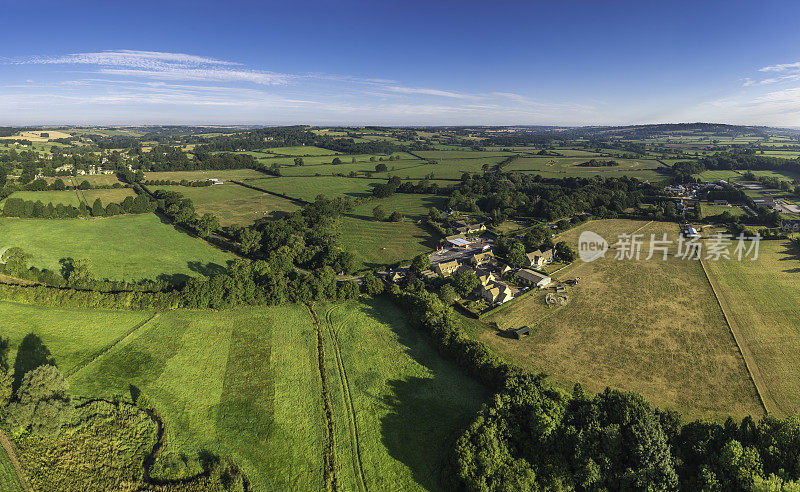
<point>563,167</point>
<point>396,402</point>
<point>307,188</point>
<point>648,326</point>
<point>346,167</point>
<point>726,175</point>
<point>223,174</point>
<point>72,337</point>
<point>94,179</point>
<point>414,206</point>
<point>125,247</point>
<point>301,150</point>
<point>233,204</point>
<point>708,209</point>
<point>245,383</point>
<point>36,135</point>
<point>75,197</point>
<point>376,243</point>
<point>762,301</point>
<point>457,154</point>
<point>446,169</point>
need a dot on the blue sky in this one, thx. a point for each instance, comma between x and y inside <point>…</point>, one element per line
<point>400,63</point>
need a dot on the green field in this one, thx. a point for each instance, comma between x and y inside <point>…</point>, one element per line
<point>223,174</point>
<point>8,477</point>
<point>307,188</point>
<point>125,247</point>
<point>301,150</point>
<point>564,167</point>
<point>245,384</point>
<point>345,168</point>
<point>762,301</point>
<point>414,206</point>
<point>648,326</point>
<point>376,243</point>
<point>233,204</point>
<point>708,209</point>
<point>725,175</point>
<point>75,197</point>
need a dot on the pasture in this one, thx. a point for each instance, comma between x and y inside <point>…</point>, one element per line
<point>376,244</point>
<point>653,327</point>
<point>346,167</point>
<point>222,174</point>
<point>566,167</point>
<point>245,383</point>
<point>301,150</point>
<point>75,197</point>
<point>307,188</point>
<point>414,206</point>
<point>233,204</point>
<point>124,247</point>
<point>762,301</point>
<point>94,179</point>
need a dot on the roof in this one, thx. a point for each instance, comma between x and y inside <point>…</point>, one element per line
<point>531,276</point>
<point>460,241</point>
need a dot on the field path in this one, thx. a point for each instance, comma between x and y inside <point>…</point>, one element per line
<point>350,411</point>
<point>329,453</point>
<point>8,446</point>
<point>111,347</point>
<point>762,390</point>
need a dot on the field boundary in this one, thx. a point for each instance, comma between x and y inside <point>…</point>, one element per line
<point>113,345</point>
<point>747,356</point>
<point>262,190</point>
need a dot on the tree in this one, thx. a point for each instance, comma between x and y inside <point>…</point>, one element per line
<point>58,184</point>
<point>6,387</point>
<point>42,403</point>
<point>565,253</point>
<point>420,262</point>
<point>250,240</point>
<point>447,293</point>
<point>80,273</point>
<point>516,255</point>
<point>336,160</point>
<point>379,213</point>
<point>97,209</point>
<point>465,281</point>
<point>381,168</point>
<point>395,216</point>
<point>298,161</point>
<point>207,224</point>
<point>85,185</point>
<point>16,261</point>
<point>371,285</point>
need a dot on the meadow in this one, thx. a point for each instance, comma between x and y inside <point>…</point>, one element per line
<point>653,327</point>
<point>233,204</point>
<point>414,206</point>
<point>762,301</point>
<point>307,188</point>
<point>376,244</point>
<point>221,174</point>
<point>75,197</point>
<point>301,150</point>
<point>708,209</point>
<point>564,167</point>
<point>246,384</point>
<point>346,167</point>
<point>124,247</point>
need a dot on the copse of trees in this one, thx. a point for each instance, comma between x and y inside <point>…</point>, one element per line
<point>17,207</point>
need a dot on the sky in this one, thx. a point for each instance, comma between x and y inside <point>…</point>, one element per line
<point>385,62</point>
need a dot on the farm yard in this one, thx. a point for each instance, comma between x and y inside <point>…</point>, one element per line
<point>233,204</point>
<point>125,247</point>
<point>653,327</point>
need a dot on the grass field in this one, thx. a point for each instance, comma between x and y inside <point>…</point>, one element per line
<point>762,300</point>
<point>307,188</point>
<point>413,206</point>
<point>396,402</point>
<point>708,209</point>
<point>94,179</point>
<point>245,383</point>
<point>648,326</point>
<point>301,150</point>
<point>233,204</point>
<point>125,247</point>
<point>8,477</point>
<point>563,167</point>
<point>223,174</point>
<point>75,197</point>
<point>726,175</point>
<point>346,167</point>
<point>376,243</point>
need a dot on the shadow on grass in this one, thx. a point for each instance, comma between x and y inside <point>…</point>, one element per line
<point>31,354</point>
<point>424,419</point>
<point>791,253</point>
<point>206,269</point>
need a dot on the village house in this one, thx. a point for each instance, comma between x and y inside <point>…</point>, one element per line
<point>65,168</point>
<point>496,292</point>
<point>447,268</point>
<point>538,258</point>
<point>486,277</point>
<point>464,228</point>
<point>214,181</point>
<point>538,280</point>
<point>395,277</point>
<point>482,258</point>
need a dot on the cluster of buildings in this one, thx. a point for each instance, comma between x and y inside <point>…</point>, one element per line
<point>92,171</point>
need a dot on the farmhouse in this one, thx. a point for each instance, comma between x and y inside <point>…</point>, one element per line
<point>447,268</point>
<point>538,258</point>
<point>479,259</point>
<point>65,168</point>
<point>496,292</point>
<point>539,280</point>
<point>465,228</point>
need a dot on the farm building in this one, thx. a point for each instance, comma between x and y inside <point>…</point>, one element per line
<point>520,332</point>
<point>465,228</point>
<point>538,258</point>
<point>539,280</point>
<point>215,181</point>
<point>447,268</point>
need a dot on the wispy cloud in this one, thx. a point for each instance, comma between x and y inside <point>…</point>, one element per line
<point>782,72</point>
